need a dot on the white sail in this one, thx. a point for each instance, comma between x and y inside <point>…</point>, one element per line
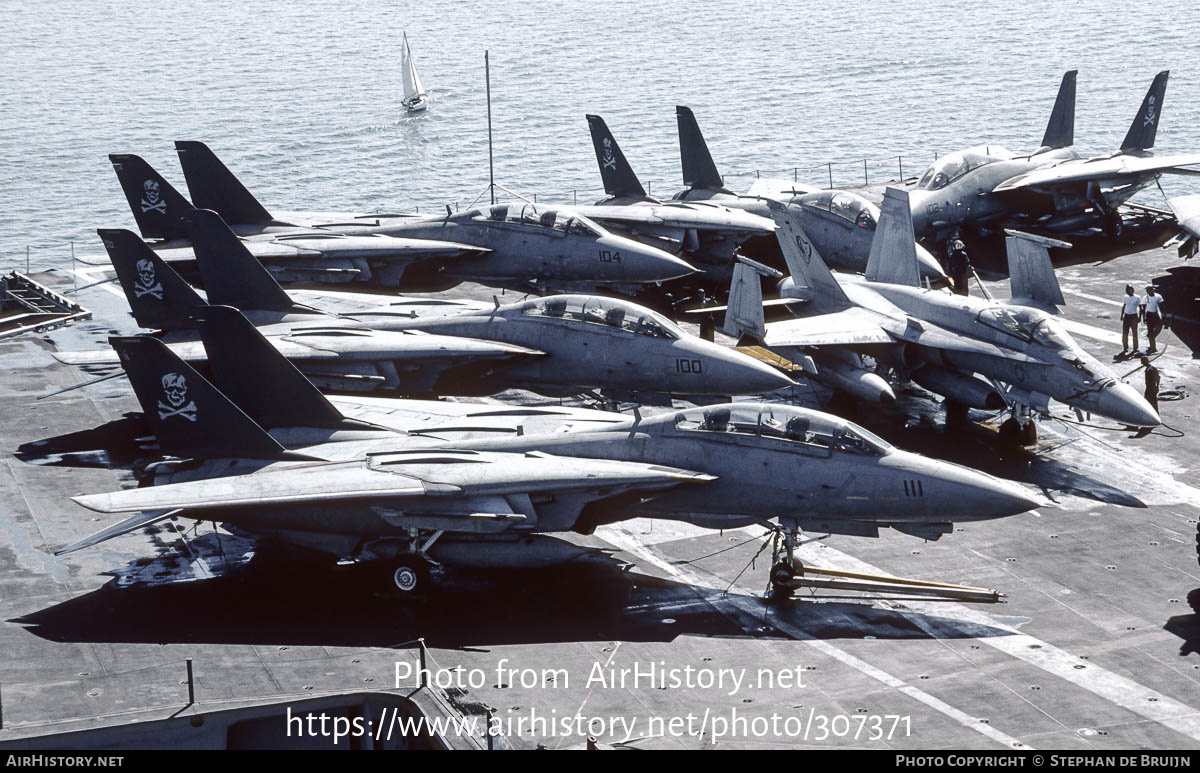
<point>414,91</point>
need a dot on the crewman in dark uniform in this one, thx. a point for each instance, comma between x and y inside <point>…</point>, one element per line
<point>1152,382</point>
<point>957,265</point>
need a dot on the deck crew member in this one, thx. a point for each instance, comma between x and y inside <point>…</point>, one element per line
<point>1131,309</point>
<point>1154,323</point>
<point>1152,382</point>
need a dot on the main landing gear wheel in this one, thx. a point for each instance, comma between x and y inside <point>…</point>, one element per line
<point>408,577</point>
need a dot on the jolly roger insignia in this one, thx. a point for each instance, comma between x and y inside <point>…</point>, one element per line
<point>1150,116</point>
<point>152,199</point>
<point>146,282</point>
<point>174,401</point>
<point>610,160</point>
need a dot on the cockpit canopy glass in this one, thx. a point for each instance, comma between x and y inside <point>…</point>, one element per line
<point>610,312</point>
<point>845,205</point>
<point>1027,324</point>
<point>952,166</point>
<point>531,214</point>
<point>788,423</point>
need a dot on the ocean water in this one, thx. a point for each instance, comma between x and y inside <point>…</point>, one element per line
<point>301,99</point>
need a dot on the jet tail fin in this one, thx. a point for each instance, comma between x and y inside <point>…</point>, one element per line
<point>699,171</point>
<point>232,276</point>
<point>157,207</point>
<point>618,176</point>
<point>158,297</point>
<point>1060,131</point>
<point>744,313</point>
<point>1145,126</point>
<point>1031,274</point>
<point>893,256</point>
<point>212,186</point>
<point>805,264</point>
<point>257,378</point>
<point>189,416</point>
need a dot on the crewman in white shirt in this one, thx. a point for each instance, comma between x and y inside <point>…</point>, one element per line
<point>1154,321</point>
<point>1131,309</point>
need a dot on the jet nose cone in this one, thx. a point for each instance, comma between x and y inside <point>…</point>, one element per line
<point>643,263</point>
<point>961,494</point>
<point>742,374</point>
<point>1122,403</point>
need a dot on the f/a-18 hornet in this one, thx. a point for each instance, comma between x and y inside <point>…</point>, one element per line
<point>976,352</point>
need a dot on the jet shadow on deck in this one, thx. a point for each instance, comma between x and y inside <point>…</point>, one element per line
<point>280,600</point>
<point>1180,289</point>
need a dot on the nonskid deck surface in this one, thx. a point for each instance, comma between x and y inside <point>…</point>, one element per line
<point>1097,646</point>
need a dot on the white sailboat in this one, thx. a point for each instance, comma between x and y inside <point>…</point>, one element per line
<point>415,98</point>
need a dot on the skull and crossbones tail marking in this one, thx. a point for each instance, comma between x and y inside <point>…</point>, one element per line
<point>175,391</point>
<point>152,199</point>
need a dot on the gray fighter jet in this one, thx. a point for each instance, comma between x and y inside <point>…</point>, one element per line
<point>982,191</point>
<point>976,352</point>
<point>840,223</point>
<point>523,248</point>
<point>413,503</point>
<point>337,353</point>
<point>707,232</point>
<point>431,346</point>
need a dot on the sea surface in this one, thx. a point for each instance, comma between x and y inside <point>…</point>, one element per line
<point>301,99</point>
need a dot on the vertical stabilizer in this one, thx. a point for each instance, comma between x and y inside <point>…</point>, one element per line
<point>158,297</point>
<point>190,417</point>
<point>893,256</point>
<point>256,377</point>
<point>805,264</point>
<point>232,276</point>
<point>618,176</point>
<point>1145,125</point>
<point>157,207</point>
<point>1031,274</point>
<point>744,312</point>
<point>212,186</point>
<point>699,171</point>
<point>1060,131</point>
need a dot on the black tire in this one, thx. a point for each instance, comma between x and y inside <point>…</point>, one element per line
<point>408,577</point>
<point>782,575</point>
<point>1029,434</point>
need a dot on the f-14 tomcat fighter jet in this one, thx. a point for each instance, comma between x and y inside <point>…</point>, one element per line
<point>974,351</point>
<point>520,248</point>
<point>840,223</point>
<point>617,347</point>
<point>1052,191</point>
<point>412,503</point>
<point>706,232</point>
